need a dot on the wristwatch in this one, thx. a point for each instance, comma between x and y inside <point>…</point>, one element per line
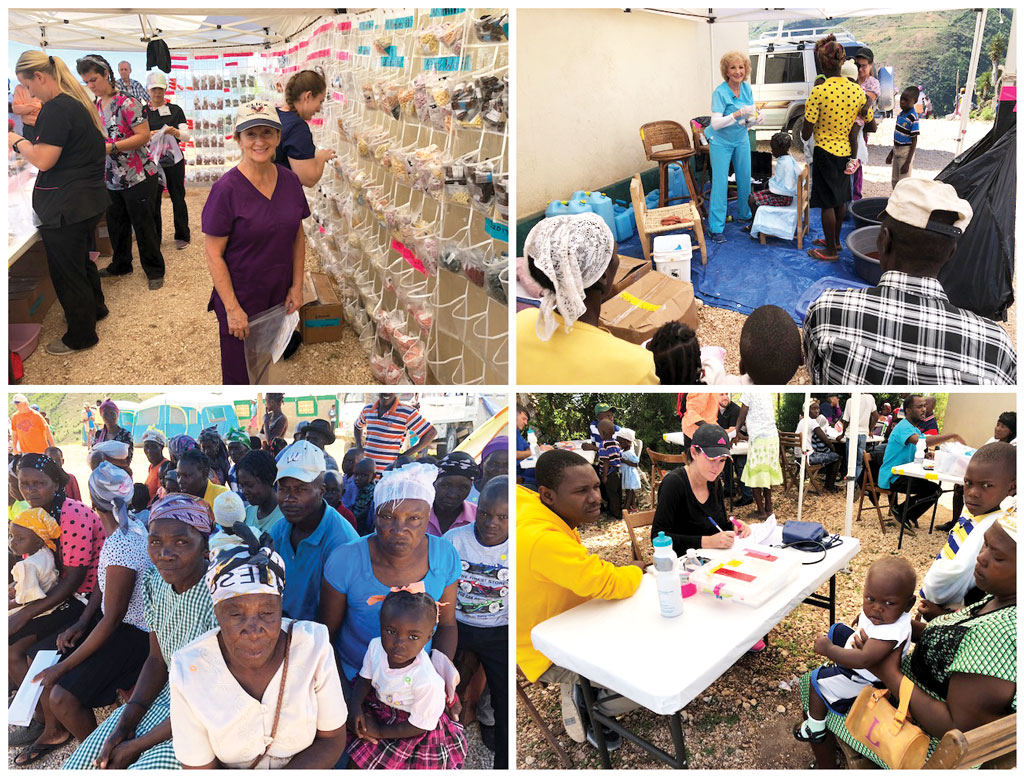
<point>15,144</point>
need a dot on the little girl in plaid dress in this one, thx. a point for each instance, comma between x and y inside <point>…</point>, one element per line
<point>399,698</point>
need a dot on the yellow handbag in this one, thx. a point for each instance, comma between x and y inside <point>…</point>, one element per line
<point>887,731</point>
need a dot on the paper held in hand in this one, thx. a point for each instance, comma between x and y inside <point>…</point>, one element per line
<point>25,701</point>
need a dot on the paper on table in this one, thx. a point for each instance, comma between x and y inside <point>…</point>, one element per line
<point>732,434</point>
<point>25,700</point>
<point>761,534</point>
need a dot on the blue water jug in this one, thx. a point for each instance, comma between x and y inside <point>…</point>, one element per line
<point>676,182</point>
<point>557,208</point>
<point>652,199</point>
<point>603,207</point>
<point>580,195</point>
<point>579,206</point>
<point>625,222</point>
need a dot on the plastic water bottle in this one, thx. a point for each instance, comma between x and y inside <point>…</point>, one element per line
<point>919,452</point>
<point>670,596</point>
<point>531,437</point>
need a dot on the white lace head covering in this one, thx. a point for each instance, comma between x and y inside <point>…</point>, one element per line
<point>410,481</point>
<point>573,252</point>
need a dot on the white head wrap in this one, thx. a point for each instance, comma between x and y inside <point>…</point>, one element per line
<point>110,489</point>
<point>113,449</point>
<point>154,435</point>
<point>228,508</point>
<point>1008,519</point>
<point>573,252</point>
<point>411,481</point>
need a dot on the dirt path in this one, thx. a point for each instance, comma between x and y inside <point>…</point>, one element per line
<point>743,720</point>
<point>167,337</point>
<point>936,149</point>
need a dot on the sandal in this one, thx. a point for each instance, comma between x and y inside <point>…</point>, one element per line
<point>816,253</point>
<point>36,751</point>
<point>820,242</point>
<point>817,736</point>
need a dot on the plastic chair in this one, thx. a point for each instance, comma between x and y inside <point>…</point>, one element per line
<point>648,222</point>
<point>786,222</point>
<point>635,521</point>
<point>672,134</point>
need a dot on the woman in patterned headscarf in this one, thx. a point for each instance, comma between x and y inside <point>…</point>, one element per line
<point>212,719</point>
<point>964,664</point>
<point>451,506</point>
<point>178,445</point>
<point>178,609</point>
<point>41,481</point>
<point>570,265</point>
<point>212,444</point>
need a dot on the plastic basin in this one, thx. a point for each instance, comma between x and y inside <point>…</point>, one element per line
<point>23,338</point>
<point>866,211</point>
<point>861,243</point>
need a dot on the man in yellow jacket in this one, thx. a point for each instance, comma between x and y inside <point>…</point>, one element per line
<point>555,572</point>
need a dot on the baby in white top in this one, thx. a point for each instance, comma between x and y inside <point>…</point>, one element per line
<point>33,534</point>
<point>884,624</point>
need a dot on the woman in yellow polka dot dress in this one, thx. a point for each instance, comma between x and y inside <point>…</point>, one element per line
<point>829,113</point>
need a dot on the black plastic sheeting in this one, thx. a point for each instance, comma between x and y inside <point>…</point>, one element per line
<point>979,275</point>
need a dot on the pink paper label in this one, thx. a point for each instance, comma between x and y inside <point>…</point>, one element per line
<point>339,97</point>
<point>409,257</point>
<point>317,122</point>
<point>342,55</point>
<point>344,26</point>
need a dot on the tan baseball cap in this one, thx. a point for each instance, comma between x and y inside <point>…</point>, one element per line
<point>913,200</point>
<point>256,113</point>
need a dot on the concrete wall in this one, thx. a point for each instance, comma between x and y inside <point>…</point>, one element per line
<point>587,79</point>
<point>973,416</point>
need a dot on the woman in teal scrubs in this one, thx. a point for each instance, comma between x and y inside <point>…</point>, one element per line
<point>732,112</point>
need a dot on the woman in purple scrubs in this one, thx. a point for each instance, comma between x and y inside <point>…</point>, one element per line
<point>255,246</point>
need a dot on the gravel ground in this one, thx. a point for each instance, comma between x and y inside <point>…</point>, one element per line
<point>936,148</point>
<point>175,320</point>
<point>744,719</point>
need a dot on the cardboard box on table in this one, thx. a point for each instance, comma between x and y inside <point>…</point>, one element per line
<point>638,311</point>
<point>320,314</point>
<point>630,271</point>
<point>30,291</point>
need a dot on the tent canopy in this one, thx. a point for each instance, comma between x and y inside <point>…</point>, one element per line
<point>127,29</point>
<point>717,15</point>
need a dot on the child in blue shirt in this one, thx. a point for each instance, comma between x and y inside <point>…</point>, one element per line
<point>782,185</point>
<point>630,471</point>
<point>904,141</point>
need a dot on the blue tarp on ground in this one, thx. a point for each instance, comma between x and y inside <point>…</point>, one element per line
<point>741,274</point>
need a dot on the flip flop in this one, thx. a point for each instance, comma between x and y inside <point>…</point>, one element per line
<point>36,751</point>
<point>814,253</point>
<point>817,736</point>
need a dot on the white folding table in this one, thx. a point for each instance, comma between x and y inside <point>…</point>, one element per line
<point>531,461</point>
<point>913,470</point>
<point>664,663</point>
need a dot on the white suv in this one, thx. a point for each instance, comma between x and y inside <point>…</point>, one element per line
<point>782,73</point>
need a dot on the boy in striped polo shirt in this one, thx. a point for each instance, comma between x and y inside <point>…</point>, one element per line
<point>904,141</point>
<point>382,427</point>
<point>610,456</point>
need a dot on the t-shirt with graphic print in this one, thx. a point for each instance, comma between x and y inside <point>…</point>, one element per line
<point>482,598</point>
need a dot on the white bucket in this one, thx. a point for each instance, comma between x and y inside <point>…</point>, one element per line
<point>672,254</point>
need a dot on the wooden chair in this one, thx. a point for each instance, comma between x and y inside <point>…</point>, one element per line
<point>790,441</point>
<point>868,486</point>
<point>655,136</point>
<point>992,746</point>
<point>549,735</point>
<point>648,222</point>
<point>633,522</point>
<point>660,464</point>
<point>803,207</point>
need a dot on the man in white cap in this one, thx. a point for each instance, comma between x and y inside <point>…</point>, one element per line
<point>311,529</point>
<point>128,85</point>
<point>29,431</point>
<point>906,331</point>
<point>168,119</point>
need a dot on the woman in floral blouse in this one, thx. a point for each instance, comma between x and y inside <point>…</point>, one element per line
<point>131,176</point>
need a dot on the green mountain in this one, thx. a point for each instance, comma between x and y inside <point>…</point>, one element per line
<point>926,49</point>
<point>64,411</point>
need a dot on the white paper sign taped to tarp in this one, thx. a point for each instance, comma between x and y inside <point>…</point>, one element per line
<point>24,705</point>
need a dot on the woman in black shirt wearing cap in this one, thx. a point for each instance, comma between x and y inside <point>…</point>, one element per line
<point>691,501</point>
<point>70,195</point>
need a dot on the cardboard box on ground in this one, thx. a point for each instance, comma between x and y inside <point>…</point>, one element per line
<point>630,270</point>
<point>647,304</point>
<point>320,314</point>
<point>30,291</point>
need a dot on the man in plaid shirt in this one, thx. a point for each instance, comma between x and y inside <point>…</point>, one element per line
<point>906,330</point>
<point>128,85</point>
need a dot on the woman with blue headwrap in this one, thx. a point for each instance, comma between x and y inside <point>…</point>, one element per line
<point>100,657</point>
<point>285,707</point>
